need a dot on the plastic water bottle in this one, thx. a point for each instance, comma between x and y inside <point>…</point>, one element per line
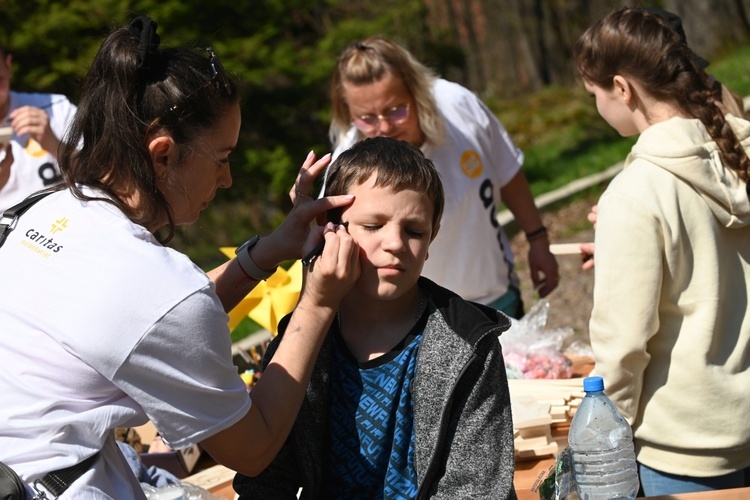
<point>601,443</point>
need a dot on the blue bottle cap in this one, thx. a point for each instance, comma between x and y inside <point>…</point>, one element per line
<point>593,384</point>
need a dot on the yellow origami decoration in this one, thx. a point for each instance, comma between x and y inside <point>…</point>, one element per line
<point>270,300</point>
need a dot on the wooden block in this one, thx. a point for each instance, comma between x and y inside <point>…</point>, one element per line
<point>550,449</point>
<point>531,443</point>
<point>565,249</point>
<point>209,479</point>
<point>537,430</point>
<point>532,422</point>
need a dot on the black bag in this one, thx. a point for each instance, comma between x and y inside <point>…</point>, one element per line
<point>11,486</point>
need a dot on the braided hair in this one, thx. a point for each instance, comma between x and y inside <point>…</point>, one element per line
<point>643,47</point>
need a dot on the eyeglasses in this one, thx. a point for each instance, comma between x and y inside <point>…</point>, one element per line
<point>218,74</point>
<point>394,116</point>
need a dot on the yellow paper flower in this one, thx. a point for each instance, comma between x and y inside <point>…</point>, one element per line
<point>270,300</point>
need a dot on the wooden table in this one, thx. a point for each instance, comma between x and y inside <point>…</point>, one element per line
<point>218,480</point>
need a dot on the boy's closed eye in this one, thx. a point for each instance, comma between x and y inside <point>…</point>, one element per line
<point>417,233</point>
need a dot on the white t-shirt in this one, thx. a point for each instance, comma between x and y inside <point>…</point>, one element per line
<point>471,254</point>
<point>33,167</point>
<point>102,327</point>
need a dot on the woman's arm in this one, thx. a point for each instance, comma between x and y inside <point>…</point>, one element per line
<point>516,195</point>
<point>250,444</point>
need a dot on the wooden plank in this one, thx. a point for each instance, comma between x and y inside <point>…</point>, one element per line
<point>217,479</point>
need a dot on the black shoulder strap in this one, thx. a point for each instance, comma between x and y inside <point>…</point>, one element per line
<point>58,481</point>
<point>9,218</point>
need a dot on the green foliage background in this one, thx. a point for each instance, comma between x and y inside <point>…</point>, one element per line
<point>283,53</point>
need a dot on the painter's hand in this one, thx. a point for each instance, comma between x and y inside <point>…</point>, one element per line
<point>542,267</point>
<point>288,239</point>
<point>35,122</point>
<point>329,276</point>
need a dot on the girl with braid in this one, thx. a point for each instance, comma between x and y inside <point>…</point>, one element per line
<point>670,326</point>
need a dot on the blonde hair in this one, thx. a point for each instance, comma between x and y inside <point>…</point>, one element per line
<point>368,61</point>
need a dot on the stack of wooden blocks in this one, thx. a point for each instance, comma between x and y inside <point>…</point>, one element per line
<point>538,406</point>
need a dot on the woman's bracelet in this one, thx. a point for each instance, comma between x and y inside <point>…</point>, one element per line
<point>535,235</point>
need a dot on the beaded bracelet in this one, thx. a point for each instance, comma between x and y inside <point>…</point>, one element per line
<point>535,235</point>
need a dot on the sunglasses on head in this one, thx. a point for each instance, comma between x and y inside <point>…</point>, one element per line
<point>218,75</point>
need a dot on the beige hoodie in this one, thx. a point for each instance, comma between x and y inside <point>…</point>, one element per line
<point>670,326</point>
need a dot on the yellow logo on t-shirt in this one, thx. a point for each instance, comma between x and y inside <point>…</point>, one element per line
<point>33,148</point>
<point>471,164</point>
<point>59,225</point>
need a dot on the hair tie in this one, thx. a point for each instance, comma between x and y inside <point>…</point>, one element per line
<point>361,46</point>
<point>148,40</point>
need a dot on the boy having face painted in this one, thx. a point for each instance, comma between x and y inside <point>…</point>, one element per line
<point>409,396</point>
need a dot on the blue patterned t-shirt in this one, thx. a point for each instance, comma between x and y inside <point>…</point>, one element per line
<point>371,435</point>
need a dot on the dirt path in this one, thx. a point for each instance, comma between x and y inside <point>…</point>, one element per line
<point>571,301</point>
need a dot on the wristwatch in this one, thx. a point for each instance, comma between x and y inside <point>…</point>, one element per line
<point>247,264</point>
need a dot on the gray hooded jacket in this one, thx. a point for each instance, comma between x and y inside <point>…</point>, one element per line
<point>462,416</point>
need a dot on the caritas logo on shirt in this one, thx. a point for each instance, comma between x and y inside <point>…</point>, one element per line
<point>43,243</point>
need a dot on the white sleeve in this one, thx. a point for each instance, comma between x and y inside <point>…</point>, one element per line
<point>465,114</point>
<point>181,372</point>
<point>61,115</point>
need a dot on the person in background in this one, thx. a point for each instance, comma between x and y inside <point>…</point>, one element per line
<point>104,327</point>
<point>671,334</point>
<point>727,100</point>
<point>28,162</point>
<point>409,396</point>
<point>380,89</point>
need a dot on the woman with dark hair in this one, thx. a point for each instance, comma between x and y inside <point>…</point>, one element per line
<point>104,327</point>
<point>670,326</point>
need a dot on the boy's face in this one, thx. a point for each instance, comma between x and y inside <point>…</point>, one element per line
<point>394,231</point>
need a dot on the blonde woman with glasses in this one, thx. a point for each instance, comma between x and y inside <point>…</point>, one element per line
<point>380,89</point>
